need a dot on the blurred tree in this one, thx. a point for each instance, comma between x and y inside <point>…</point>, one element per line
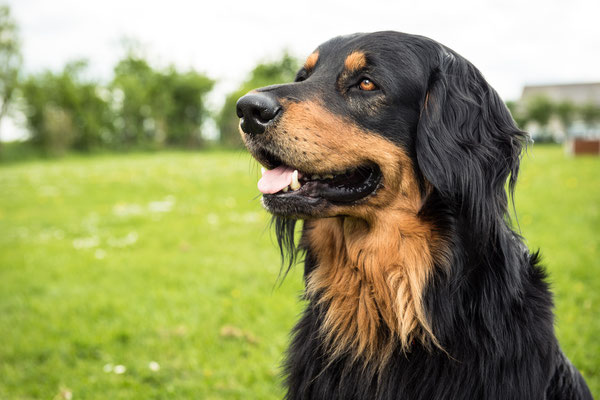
<point>188,110</point>
<point>264,74</point>
<point>517,113</point>
<point>158,107</point>
<point>65,110</point>
<point>565,111</point>
<point>540,109</point>
<point>10,60</point>
<point>139,103</point>
<point>590,114</point>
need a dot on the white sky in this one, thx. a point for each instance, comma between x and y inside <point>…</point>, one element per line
<point>512,42</point>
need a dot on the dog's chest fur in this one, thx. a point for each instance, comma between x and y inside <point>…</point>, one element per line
<point>488,347</point>
<point>369,279</point>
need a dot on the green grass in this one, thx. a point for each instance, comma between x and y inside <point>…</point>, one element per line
<point>129,259</point>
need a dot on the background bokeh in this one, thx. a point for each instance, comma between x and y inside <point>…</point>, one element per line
<point>135,259</point>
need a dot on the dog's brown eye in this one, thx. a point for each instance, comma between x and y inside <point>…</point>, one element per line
<point>367,84</point>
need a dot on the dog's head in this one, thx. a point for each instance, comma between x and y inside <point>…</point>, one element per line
<point>373,118</point>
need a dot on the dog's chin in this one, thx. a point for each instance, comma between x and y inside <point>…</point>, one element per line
<point>296,207</point>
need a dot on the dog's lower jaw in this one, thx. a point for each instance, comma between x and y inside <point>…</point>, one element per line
<point>285,209</point>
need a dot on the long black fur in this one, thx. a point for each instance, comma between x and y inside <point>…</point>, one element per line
<point>491,310</point>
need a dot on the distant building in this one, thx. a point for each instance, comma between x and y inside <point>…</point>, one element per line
<point>578,93</point>
<point>578,137</point>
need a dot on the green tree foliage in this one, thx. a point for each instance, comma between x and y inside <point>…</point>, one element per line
<point>264,74</point>
<point>590,114</point>
<point>539,109</point>
<point>141,107</point>
<point>566,112</point>
<point>518,115</point>
<point>135,97</point>
<point>10,60</point>
<point>188,110</point>
<point>64,110</point>
<point>157,107</point>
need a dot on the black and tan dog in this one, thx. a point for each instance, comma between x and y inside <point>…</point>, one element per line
<point>395,152</point>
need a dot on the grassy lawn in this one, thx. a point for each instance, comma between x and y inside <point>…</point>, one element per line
<point>152,276</point>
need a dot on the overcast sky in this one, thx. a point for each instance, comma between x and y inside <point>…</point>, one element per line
<point>512,42</point>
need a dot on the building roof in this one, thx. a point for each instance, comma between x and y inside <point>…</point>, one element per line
<point>578,93</point>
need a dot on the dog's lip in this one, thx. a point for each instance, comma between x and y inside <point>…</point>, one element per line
<point>270,159</point>
<point>267,158</point>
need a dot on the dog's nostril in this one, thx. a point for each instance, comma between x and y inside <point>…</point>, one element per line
<point>267,114</point>
<point>256,111</point>
<point>259,115</point>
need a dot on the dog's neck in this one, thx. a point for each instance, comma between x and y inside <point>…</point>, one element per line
<point>369,280</point>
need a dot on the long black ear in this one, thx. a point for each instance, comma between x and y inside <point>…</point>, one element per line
<point>468,144</point>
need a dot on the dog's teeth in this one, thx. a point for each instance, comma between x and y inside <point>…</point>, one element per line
<point>262,170</point>
<point>328,176</point>
<point>285,189</point>
<point>295,185</point>
<point>315,177</point>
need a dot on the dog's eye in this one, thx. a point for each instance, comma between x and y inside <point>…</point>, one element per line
<point>367,85</point>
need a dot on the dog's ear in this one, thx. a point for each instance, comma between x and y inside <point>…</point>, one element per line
<point>467,143</point>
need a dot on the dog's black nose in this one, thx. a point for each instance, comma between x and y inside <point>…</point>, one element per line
<point>256,110</point>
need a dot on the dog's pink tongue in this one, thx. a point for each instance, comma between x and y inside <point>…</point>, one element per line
<point>274,180</point>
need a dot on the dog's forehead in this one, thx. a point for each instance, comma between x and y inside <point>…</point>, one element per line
<point>379,47</point>
<point>339,44</point>
<point>336,50</point>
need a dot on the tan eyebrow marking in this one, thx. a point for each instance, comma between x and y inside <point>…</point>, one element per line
<point>311,61</point>
<point>355,61</point>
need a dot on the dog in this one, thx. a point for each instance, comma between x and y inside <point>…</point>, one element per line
<point>399,158</point>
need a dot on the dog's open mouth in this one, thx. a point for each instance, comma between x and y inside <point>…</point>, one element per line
<point>337,187</point>
<point>346,186</point>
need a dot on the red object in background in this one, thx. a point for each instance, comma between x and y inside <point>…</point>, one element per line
<point>585,146</point>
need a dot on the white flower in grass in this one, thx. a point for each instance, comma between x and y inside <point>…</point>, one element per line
<point>162,206</point>
<point>126,210</point>
<point>154,366</point>
<point>119,369</point>
<point>213,219</point>
<point>64,394</point>
<point>86,242</point>
<point>125,241</point>
<point>53,233</point>
<point>107,368</point>
<point>251,217</point>
<point>100,254</point>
